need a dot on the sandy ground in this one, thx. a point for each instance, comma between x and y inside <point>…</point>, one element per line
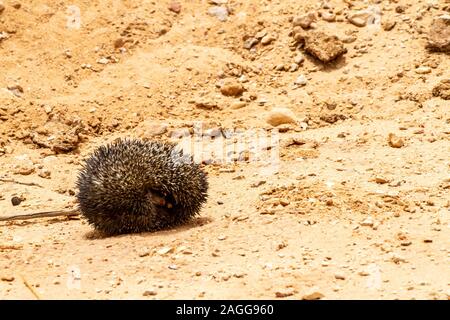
<point>343,214</point>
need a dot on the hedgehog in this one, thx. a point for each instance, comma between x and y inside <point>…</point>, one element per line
<point>132,186</point>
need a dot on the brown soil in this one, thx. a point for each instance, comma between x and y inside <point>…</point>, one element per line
<point>345,213</point>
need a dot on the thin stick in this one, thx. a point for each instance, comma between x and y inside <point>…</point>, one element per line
<point>46,214</point>
<point>30,288</point>
<point>18,182</point>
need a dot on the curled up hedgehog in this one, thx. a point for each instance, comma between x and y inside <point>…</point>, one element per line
<point>131,186</point>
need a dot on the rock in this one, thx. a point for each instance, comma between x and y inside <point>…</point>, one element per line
<point>205,103</point>
<point>156,129</point>
<point>328,16</point>
<point>175,7</point>
<point>439,34</point>
<point>359,19</point>
<point>304,21</point>
<point>231,88</point>
<point>313,294</point>
<point>220,13</point>
<point>2,8</point>
<point>250,42</point>
<point>268,39</point>
<point>238,105</point>
<point>284,293</point>
<point>148,293</point>
<point>301,80</point>
<point>368,222</point>
<point>119,43</point>
<point>423,70</point>
<point>299,59</point>
<point>222,237</point>
<point>339,276</point>
<point>164,251</point>
<point>388,24</point>
<point>324,47</point>
<point>6,278</point>
<point>44,173</point>
<point>381,180</point>
<point>16,5</point>
<point>15,201</point>
<point>16,89</point>
<point>394,141</point>
<point>442,89</point>
<point>25,170</point>
<point>279,116</point>
<point>103,61</point>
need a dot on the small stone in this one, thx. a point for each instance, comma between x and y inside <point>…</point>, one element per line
<point>284,293</point>
<point>238,105</point>
<point>363,273</point>
<point>156,129</point>
<point>423,70</point>
<point>2,7</point>
<point>232,88</point>
<point>304,21</point>
<point>119,43</point>
<point>278,116</point>
<point>381,180</point>
<point>368,222</point>
<point>442,89</point>
<point>250,42</point>
<point>313,294</point>
<point>301,80</point>
<point>175,7</point>
<point>359,19</point>
<point>148,293</point>
<point>397,259</point>
<point>7,278</point>
<point>299,59</point>
<point>16,89</point>
<point>267,40</point>
<point>394,141</point>
<point>164,251</point>
<point>25,170</point>
<point>339,276</point>
<point>328,16</point>
<point>220,13</point>
<point>323,47</point>
<point>388,24</point>
<point>16,5</point>
<point>45,173</point>
<point>439,34</point>
<point>103,61</point>
<point>15,201</point>
<point>222,237</point>
<point>173,267</point>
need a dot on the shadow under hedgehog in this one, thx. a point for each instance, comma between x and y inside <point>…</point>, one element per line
<point>131,186</point>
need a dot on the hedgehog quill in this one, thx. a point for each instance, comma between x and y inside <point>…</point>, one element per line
<point>131,186</point>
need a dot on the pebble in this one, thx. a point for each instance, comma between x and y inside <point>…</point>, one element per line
<point>394,141</point>
<point>423,70</point>
<point>231,88</point>
<point>388,24</point>
<point>44,173</point>
<point>25,170</point>
<point>268,39</point>
<point>164,251</point>
<point>220,13</point>
<point>16,89</point>
<point>301,80</point>
<point>328,16</point>
<point>2,7</point>
<point>284,293</point>
<point>439,34</point>
<point>299,59</point>
<point>222,237</point>
<point>279,116</point>
<point>7,278</point>
<point>175,7</point>
<point>103,61</point>
<point>358,19</point>
<point>238,105</point>
<point>250,42</point>
<point>304,21</point>
<point>149,293</point>
<point>313,294</point>
<point>15,201</point>
<point>339,276</point>
<point>368,222</point>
